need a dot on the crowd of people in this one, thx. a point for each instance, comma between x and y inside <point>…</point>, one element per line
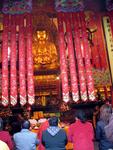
<point>53,134</point>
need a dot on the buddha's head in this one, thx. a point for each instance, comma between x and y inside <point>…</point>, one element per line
<point>42,35</point>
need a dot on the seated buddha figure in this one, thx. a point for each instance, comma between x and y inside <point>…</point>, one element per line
<point>44,51</point>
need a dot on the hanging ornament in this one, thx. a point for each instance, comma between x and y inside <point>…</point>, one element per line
<point>63,63</point>
<point>22,69</point>
<point>5,73</point>
<point>13,60</point>
<point>72,63</point>
<point>29,61</point>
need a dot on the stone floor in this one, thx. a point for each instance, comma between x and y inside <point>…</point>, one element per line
<point>96,146</point>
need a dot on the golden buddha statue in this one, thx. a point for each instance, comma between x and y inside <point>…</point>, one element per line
<point>44,52</point>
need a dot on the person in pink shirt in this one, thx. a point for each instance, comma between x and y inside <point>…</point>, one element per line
<point>42,128</point>
<point>81,132</point>
<point>5,136</point>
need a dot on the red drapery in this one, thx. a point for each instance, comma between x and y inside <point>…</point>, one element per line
<point>96,40</point>
<point>101,42</point>
<point>63,63</point>
<point>93,38</point>
<point>13,60</point>
<point>88,67</point>
<point>22,69</point>
<point>30,80</point>
<point>5,79</point>
<point>72,63</point>
<point>95,53</point>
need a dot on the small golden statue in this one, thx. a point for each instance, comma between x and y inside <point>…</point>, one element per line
<point>44,51</point>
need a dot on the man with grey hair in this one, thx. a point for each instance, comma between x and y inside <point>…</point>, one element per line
<point>25,139</point>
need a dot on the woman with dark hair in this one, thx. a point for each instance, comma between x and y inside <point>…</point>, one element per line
<point>105,114</point>
<point>54,138</point>
<point>81,132</point>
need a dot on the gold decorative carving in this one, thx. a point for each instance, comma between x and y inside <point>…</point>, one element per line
<point>45,56</point>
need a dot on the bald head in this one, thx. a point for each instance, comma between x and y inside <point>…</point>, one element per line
<point>25,124</point>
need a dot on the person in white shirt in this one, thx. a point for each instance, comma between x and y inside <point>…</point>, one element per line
<point>3,146</point>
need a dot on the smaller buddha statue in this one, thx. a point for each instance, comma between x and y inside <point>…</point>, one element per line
<point>44,51</point>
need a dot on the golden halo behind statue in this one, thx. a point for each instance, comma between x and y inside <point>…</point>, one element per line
<point>43,22</point>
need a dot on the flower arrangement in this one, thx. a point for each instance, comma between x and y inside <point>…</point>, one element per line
<point>5,112</point>
<point>101,77</point>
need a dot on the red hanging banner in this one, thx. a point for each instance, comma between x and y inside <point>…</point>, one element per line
<point>95,53</point>
<point>72,63</point>
<point>88,67</point>
<point>13,60</point>
<point>101,42</point>
<point>96,40</point>
<point>29,61</point>
<point>63,63</point>
<point>81,69</point>
<point>5,82</point>
<point>22,69</point>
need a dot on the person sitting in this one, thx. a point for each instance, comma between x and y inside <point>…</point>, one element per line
<point>54,138</point>
<point>109,129</point>
<point>25,139</point>
<point>5,136</point>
